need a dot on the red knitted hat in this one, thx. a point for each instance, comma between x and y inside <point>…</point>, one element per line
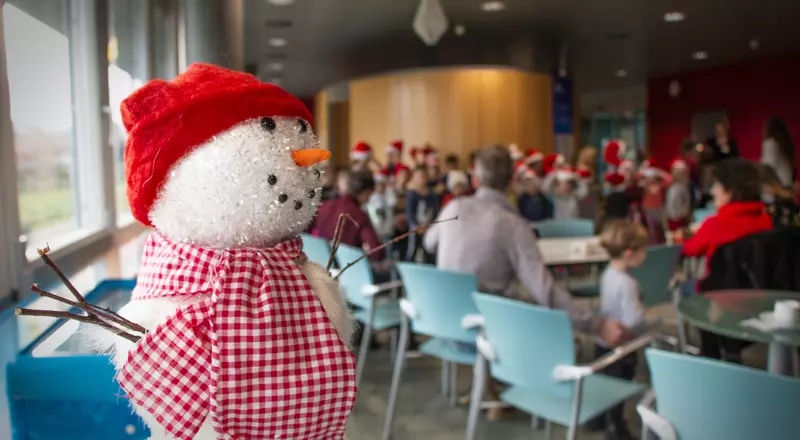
<point>395,147</point>
<point>166,120</point>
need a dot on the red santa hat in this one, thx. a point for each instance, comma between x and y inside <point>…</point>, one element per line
<point>533,157</point>
<point>395,147</point>
<point>553,161</point>
<point>565,174</point>
<point>361,151</point>
<point>583,172</point>
<point>678,163</point>
<point>626,165</point>
<point>382,176</point>
<point>612,154</point>
<point>519,168</point>
<point>166,120</point>
<point>614,178</point>
<point>648,169</point>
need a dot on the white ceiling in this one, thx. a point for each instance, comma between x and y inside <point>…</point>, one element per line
<point>333,40</point>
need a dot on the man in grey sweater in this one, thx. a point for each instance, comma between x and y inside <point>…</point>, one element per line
<point>491,240</point>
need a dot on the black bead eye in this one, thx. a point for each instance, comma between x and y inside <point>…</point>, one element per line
<point>303,125</point>
<point>317,173</point>
<point>311,193</point>
<point>272,180</point>
<point>268,124</point>
<point>283,198</point>
<point>298,205</point>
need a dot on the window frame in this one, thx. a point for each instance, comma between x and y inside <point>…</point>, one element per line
<point>99,233</point>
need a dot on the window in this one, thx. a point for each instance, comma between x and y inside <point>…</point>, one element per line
<point>38,61</point>
<point>127,71</point>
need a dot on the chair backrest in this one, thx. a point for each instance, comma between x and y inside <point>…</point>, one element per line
<point>353,280</point>
<point>69,398</point>
<point>441,299</point>
<point>565,228</point>
<point>766,260</point>
<point>703,213</point>
<point>655,274</point>
<point>708,399</point>
<point>316,249</point>
<point>528,341</point>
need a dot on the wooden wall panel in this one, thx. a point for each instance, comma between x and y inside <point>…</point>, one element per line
<point>456,110</point>
<point>339,126</point>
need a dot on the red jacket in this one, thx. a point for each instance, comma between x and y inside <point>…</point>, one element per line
<point>732,222</point>
<point>360,235</point>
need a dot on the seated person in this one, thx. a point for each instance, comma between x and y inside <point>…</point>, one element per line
<point>780,201</point>
<point>356,191</point>
<point>626,243</point>
<point>736,190</point>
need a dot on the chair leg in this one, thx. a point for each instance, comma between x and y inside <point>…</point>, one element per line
<point>393,344</point>
<point>478,386</point>
<point>572,434</point>
<point>453,384</point>
<point>682,340</point>
<point>366,339</point>
<point>445,377</point>
<point>396,376</point>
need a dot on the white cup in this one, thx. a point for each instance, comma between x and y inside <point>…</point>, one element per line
<point>787,313</point>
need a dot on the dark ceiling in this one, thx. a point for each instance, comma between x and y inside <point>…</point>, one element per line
<point>333,40</point>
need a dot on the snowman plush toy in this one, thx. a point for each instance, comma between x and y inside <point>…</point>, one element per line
<point>246,339</point>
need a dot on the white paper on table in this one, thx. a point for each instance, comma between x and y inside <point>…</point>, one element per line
<point>766,323</point>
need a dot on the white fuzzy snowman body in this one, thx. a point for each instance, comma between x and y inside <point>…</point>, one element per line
<point>240,189</point>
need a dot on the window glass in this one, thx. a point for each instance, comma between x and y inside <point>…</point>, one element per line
<point>127,71</point>
<point>38,62</point>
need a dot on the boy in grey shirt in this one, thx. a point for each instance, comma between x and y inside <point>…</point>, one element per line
<point>626,243</point>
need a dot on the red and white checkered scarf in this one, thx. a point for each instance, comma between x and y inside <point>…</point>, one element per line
<point>258,355</point>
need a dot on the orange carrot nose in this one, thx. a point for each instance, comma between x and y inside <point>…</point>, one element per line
<point>310,156</point>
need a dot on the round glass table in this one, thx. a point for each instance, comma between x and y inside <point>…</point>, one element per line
<point>723,312</point>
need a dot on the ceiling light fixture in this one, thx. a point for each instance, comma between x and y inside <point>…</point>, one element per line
<point>493,6</point>
<point>276,67</point>
<point>277,42</point>
<point>754,44</point>
<point>674,17</point>
<point>280,2</point>
<point>460,30</point>
<point>700,55</point>
<point>622,73</point>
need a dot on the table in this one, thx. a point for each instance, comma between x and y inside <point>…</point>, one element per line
<point>722,312</point>
<point>559,251</point>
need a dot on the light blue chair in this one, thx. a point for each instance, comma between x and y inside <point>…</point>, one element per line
<point>316,249</point>
<point>373,308</point>
<point>655,275</point>
<point>531,349</point>
<point>699,215</point>
<point>702,399</point>
<point>565,228</point>
<point>435,305</point>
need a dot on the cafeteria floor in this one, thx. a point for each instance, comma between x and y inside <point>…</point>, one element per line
<point>424,413</point>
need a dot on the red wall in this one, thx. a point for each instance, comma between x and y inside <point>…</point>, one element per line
<point>751,93</point>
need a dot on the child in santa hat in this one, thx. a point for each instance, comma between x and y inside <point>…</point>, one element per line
<point>531,202</point>
<point>534,160</point>
<point>678,206</point>
<point>361,156</point>
<point>394,156</point>
<point>567,190</point>
<point>381,206</point>
<point>654,182</point>
<point>457,186</point>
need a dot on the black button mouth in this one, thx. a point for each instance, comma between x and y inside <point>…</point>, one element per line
<point>283,198</point>
<point>298,205</point>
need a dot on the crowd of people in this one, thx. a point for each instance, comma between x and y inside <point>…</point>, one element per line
<point>504,191</point>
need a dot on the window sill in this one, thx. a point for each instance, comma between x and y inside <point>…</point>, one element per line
<point>65,244</point>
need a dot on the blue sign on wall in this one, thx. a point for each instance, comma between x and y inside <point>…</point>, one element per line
<point>562,105</point>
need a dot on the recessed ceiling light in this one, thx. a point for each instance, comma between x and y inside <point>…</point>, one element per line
<point>277,42</point>
<point>493,6</point>
<point>754,44</point>
<point>622,73</point>
<point>700,55</point>
<point>674,17</point>
<point>280,2</point>
<point>460,30</point>
<point>276,67</point>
